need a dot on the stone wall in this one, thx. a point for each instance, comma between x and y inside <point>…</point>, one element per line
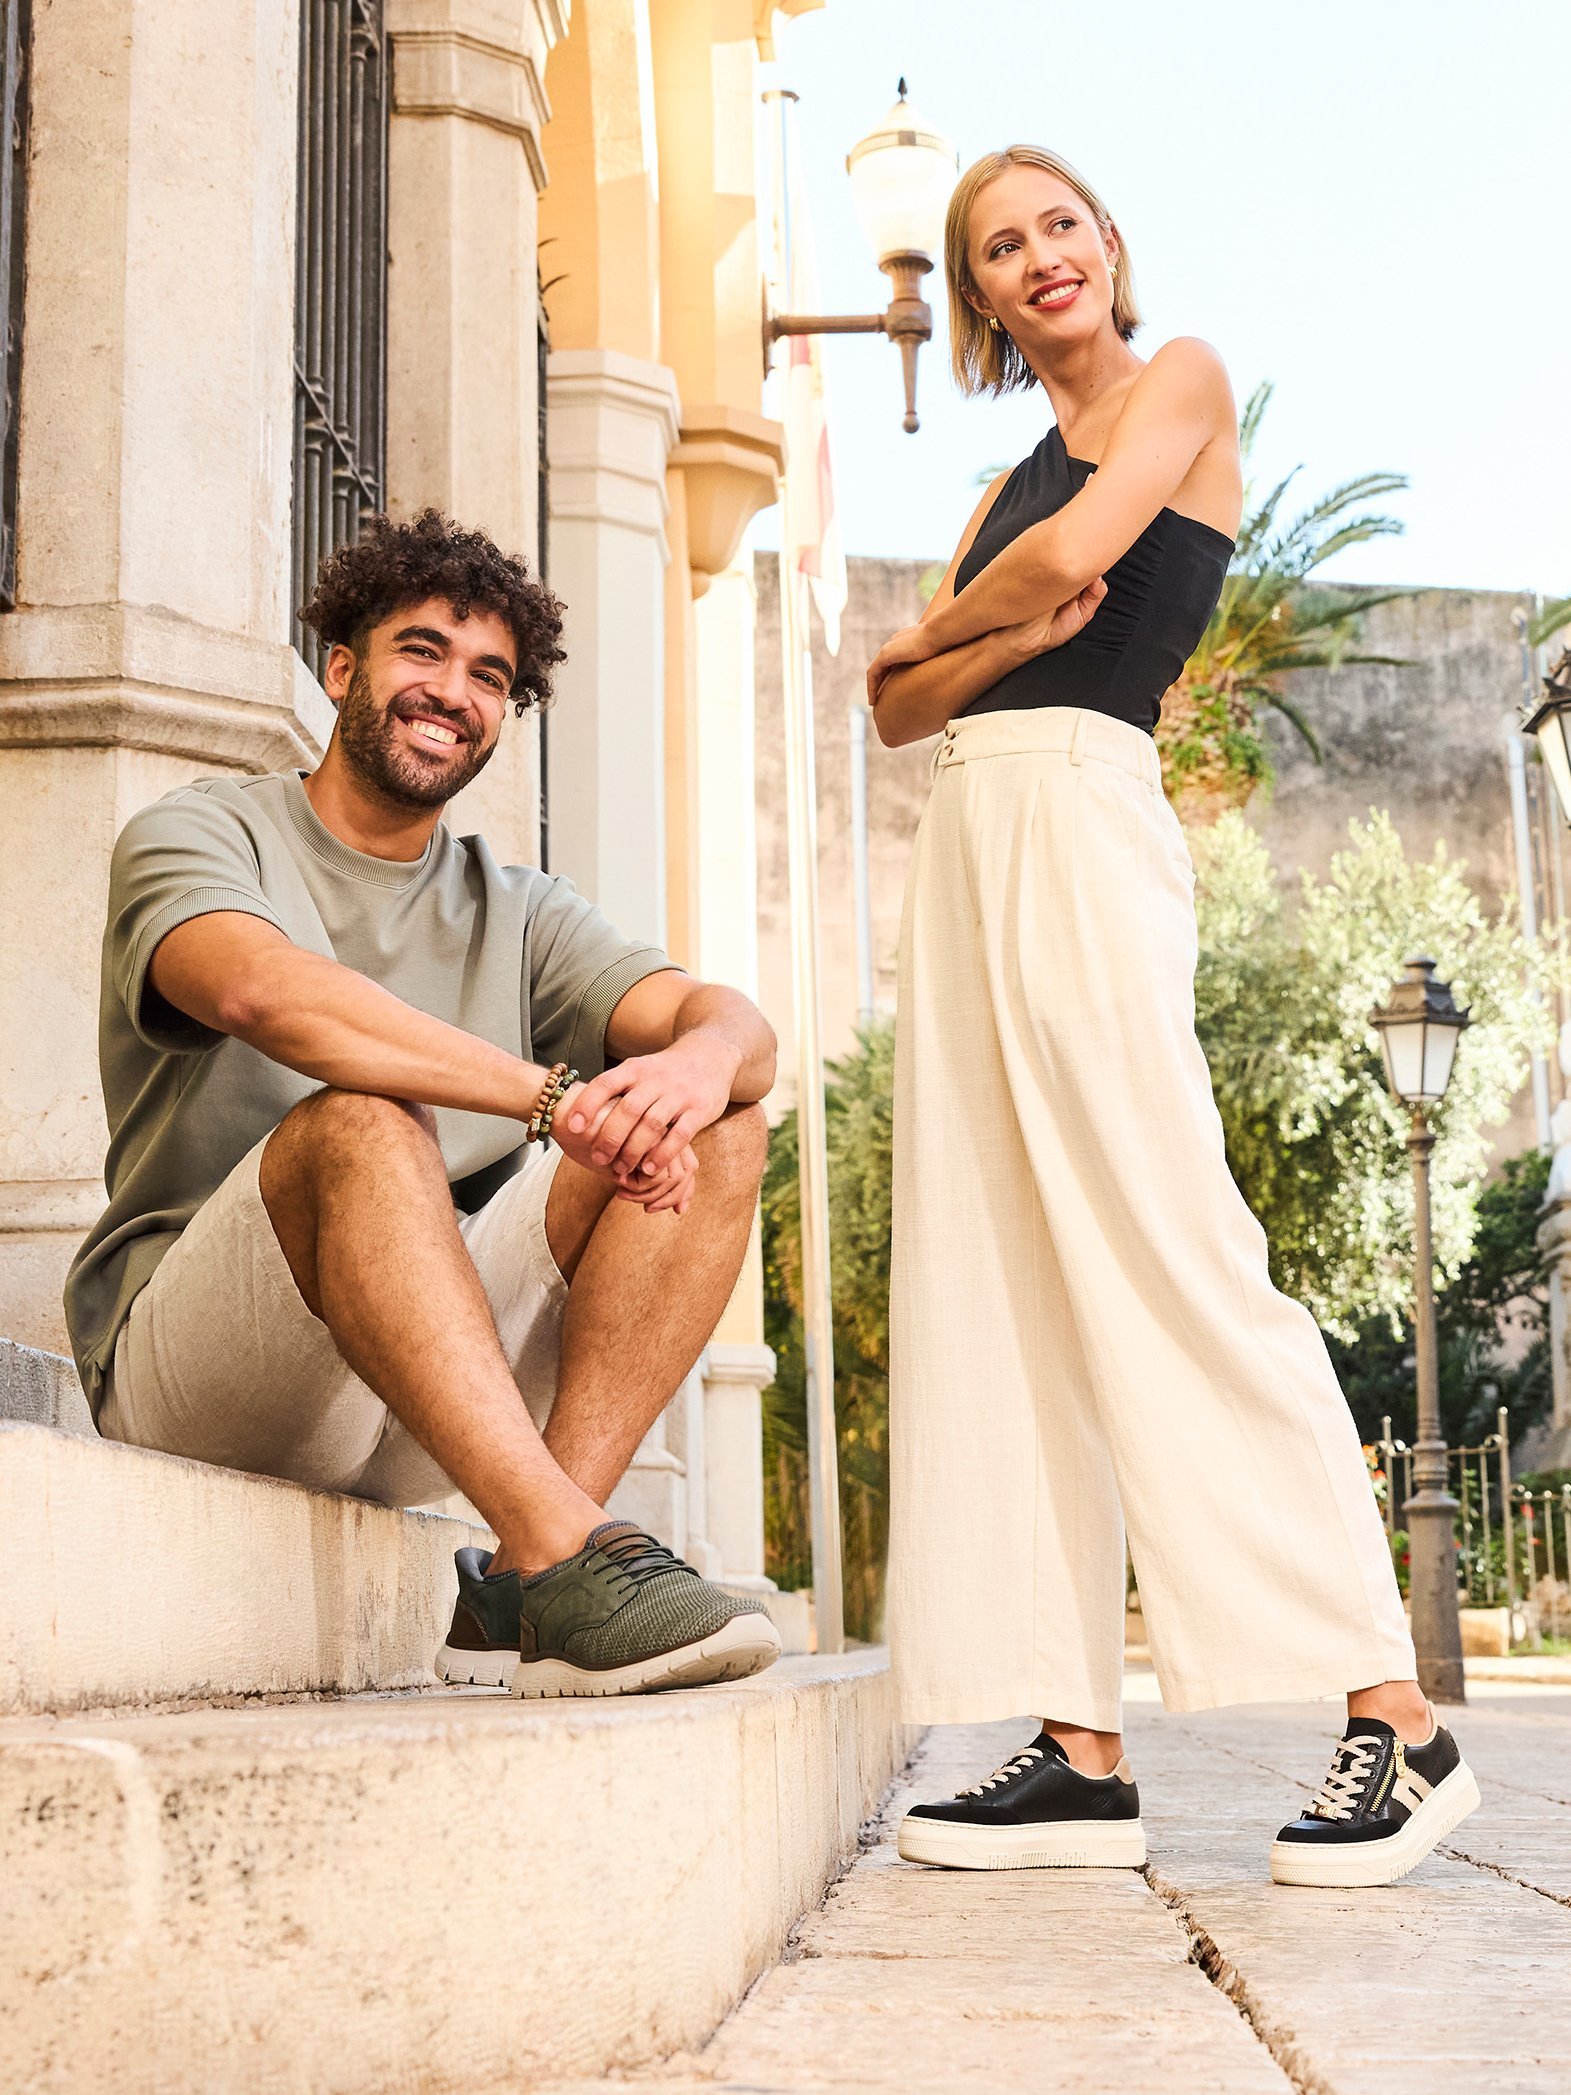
<point>1423,737</point>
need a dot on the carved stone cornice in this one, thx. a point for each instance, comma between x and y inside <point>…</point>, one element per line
<point>105,676</point>
<point>746,1366</point>
<point>731,461</point>
<point>467,59</point>
<point>62,1204</point>
<point>764,12</point>
<point>614,420</point>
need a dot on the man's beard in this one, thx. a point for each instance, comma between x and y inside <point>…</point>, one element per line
<point>374,750</point>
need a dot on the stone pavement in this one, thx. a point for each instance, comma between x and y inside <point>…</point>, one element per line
<point>1199,1977</point>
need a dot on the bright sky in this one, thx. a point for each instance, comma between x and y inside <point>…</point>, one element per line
<point>1366,201</point>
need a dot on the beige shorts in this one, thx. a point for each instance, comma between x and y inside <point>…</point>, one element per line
<point>221,1360</point>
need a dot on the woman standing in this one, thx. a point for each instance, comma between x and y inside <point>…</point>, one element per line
<point>1083,1329</point>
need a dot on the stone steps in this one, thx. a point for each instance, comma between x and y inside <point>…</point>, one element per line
<point>135,1579</point>
<point>41,1389</point>
<point>131,1579</point>
<point>439,1891</point>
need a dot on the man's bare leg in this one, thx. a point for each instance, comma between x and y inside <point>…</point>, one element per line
<point>645,1293</point>
<point>357,1194</point>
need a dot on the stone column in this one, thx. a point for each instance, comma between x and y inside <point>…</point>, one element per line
<point>737,1365</point>
<point>735,1374</point>
<point>150,643</point>
<point>726,468</point>
<point>613,422</point>
<point>465,169</point>
<point>654,1492</point>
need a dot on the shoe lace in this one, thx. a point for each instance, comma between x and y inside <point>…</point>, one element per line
<point>1352,1766</point>
<point>1007,1773</point>
<point>635,1558</point>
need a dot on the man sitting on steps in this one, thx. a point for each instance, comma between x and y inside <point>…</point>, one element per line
<point>330,1031</point>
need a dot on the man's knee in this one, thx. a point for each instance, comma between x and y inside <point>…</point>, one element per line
<point>323,1126</point>
<point>736,1145</point>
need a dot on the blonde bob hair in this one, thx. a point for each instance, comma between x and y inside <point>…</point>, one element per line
<point>985,359</point>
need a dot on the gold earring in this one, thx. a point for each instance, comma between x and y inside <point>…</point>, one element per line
<point>992,321</point>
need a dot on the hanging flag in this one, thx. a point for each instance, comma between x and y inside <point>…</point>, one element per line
<point>815,549</point>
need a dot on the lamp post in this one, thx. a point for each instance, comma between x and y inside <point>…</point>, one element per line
<point>1549,723</point>
<point>901,175</point>
<point>1419,1026</point>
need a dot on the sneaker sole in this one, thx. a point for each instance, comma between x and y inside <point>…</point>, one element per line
<point>475,1669</point>
<point>744,1645</point>
<point>1384,1861</point>
<point>1066,1844</point>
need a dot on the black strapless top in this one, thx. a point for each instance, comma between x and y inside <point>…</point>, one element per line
<point>1159,598</point>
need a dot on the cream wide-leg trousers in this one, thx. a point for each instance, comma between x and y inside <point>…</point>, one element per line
<point>1083,1330</point>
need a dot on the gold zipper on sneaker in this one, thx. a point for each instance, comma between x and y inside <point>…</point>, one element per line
<point>1396,1766</point>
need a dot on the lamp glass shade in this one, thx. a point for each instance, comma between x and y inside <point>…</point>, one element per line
<point>1440,1041</point>
<point>1419,1028</point>
<point>1403,1049</point>
<point>1548,726</point>
<point>902,175</point>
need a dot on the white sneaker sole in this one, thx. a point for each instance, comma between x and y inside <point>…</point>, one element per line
<point>1358,1868</point>
<point>1065,1844</point>
<point>744,1645</point>
<point>475,1669</point>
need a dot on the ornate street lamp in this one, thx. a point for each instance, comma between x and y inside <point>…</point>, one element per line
<point>901,173</point>
<point>1550,725</point>
<point>1419,1027</point>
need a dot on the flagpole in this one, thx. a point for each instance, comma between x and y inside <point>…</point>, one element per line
<point>812,1149</point>
<point>861,883</point>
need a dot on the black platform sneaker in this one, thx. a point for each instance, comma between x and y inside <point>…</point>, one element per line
<point>1035,1812</point>
<point>1379,1811</point>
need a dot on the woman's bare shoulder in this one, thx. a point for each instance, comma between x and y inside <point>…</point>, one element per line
<point>1191,370</point>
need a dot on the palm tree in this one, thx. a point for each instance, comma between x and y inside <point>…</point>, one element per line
<point>1269,621</point>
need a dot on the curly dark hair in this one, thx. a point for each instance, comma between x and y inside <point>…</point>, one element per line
<point>391,566</point>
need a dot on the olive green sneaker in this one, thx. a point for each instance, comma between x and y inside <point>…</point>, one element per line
<point>623,1617</point>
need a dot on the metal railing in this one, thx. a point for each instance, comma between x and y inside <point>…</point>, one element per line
<point>1546,1559</point>
<point>340,284</point>
<point>1513,1544</point>
<point>15,30</point>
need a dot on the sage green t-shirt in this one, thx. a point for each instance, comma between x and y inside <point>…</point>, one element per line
<point>511,955</point>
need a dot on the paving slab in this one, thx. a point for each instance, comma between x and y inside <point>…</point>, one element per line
<point>1460,1974</point>
<point>1197,1976</point>
<point>931,1981</point>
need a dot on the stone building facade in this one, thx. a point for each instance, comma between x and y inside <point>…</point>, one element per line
<point>183,176</point>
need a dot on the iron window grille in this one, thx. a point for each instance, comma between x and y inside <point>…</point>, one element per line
<point>340,449</point>
<point>15,28</point>
<point>542,564</point>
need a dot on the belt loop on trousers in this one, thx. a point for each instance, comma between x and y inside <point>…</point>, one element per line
<point>1077,736</point>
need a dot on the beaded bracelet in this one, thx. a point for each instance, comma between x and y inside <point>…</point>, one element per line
<point>559,1081</point>
<point>569,1079</point>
